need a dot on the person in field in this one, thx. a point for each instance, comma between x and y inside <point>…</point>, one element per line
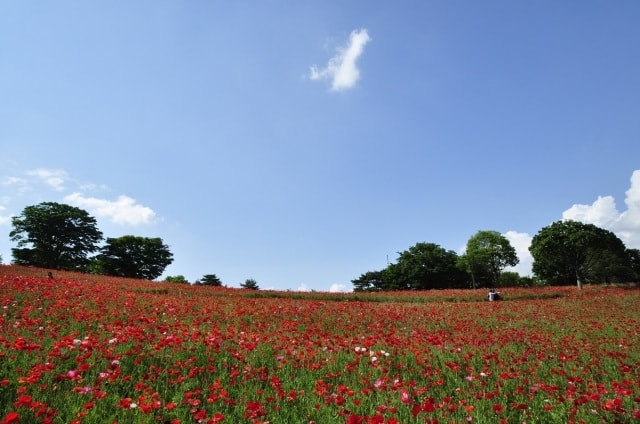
<point>493,295</point>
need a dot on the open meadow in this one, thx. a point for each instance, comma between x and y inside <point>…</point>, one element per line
<point>94,349</point>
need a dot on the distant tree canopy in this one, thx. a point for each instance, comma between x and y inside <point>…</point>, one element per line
<point>176,279</point>
<point>487,254</point>
<point>565,252</point>
<point>250,284</point>
<point>634,263</point>
<point>59,236</point>
<point>54,235</point>
<point>209,280</point>
<point>421,267</point>
<point>370,281</point>
<point>570,252</point>
<point>135,257</point>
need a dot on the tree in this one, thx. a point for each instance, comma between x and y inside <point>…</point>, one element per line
<point>634,263</point>
<point>369,281</point>
<point>487,254</point>
<point>428,266</point>
<point>176,279</point>
<point>250,284</point>
<point>54,235</point>
<point>209,280</point>
<point>135,257</point>
<point>513,279</point>
<point>421,267</point>
<point>570,252</point>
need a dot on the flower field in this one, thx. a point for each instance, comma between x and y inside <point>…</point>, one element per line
<point>92,349</point>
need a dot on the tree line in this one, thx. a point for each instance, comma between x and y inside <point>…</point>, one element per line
<point>564,253</point>
<point>59,236</point>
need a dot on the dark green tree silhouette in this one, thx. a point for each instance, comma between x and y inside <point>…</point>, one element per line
<point>250,284</point>
<point>209,280</point>
<point>54,235</point>
<point>135,257</point>
<point>571,252</point>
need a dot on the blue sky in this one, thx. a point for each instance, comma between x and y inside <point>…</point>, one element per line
<point>303,143</point>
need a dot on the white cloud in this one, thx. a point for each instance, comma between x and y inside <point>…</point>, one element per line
<point>12,181</point>
<point>339,288</point>
<point>52,177</point>
<point>122,211</point>
<point>17,185</point>
<point>303,288</point>
<point>341,69</point>
<point>604,213</point>
<point>521,243</point>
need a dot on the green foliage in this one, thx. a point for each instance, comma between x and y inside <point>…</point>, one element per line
<point>250,284</point>
<point>56,236</point>
<point>421,267</point>
<point>176,279</point>
<point>513,279</point>
<point>570,252</point>
<point>634,263</point>
<point>209,280</point>
<point>135,257</point>
<point>369,281</point>
<point>428,266</point>
<point>487,254</point>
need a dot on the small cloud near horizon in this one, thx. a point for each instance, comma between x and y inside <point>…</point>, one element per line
<point>123,211</point>
<point>339,288</point>
<point>341,70</point>
<point>604,214</point>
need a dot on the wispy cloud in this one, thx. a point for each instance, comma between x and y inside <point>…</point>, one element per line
<point>54,178</point>
<point>16,185</point>
<point>4,219</point>
<point>12,181</point>
<point>341,70</point>
<point>123,211</point>
<point>604,213</point>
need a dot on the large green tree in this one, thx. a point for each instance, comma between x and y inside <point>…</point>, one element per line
<point>135,257</point>
<point>421,267</point>
<point>487,254</point>
<point>429,266</point>
<point>571,252</point>
<point>54,235</point>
